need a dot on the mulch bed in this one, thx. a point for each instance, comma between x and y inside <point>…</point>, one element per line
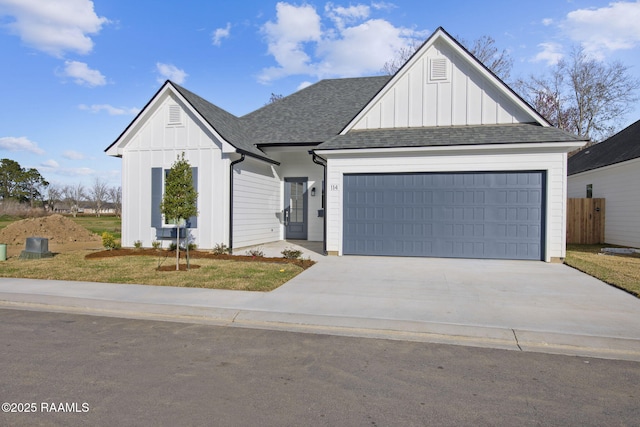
<point>196,254</point>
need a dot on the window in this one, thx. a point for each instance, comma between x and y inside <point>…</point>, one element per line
<point>158,176</point>
<point>589,191</point>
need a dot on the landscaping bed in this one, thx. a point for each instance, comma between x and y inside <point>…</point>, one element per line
<point>196,254</point>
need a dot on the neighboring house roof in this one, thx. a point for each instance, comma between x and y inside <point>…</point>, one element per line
<point>447,136</point>
<point>314,114</point>
<point>621,147</point>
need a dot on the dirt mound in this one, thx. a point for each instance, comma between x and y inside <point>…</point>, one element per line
<point>56,228</point>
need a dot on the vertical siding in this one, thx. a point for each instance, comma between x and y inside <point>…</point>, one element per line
<point>256,203</point>
<point>155,144</point>
<point>618,185</point>
<point>553,164</point>
<point>466,98</point>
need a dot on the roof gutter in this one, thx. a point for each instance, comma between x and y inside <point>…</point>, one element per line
<point>235,162</point>
<point>322,162</point>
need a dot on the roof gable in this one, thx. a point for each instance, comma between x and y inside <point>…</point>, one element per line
<point>223,124</point>
<point>621,147</point>
<point>443,84</point>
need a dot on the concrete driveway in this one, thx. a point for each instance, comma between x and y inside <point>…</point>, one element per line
<point>520,305</point>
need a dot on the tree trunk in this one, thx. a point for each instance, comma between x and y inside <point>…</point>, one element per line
<point>178,246</point>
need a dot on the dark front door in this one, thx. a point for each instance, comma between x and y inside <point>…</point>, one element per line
<point>295,208</point>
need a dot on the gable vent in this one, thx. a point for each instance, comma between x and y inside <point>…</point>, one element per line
<point>438,69</point>
<point>175,115</point>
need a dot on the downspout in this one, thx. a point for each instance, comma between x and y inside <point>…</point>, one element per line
<point>320,161</point>
<point>235,162</point>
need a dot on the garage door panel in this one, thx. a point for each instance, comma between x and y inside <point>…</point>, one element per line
<point>475,215</point>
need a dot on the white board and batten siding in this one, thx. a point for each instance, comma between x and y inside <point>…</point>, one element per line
<point>441,89</point>
<point>619,185</point>
<point>169,130</point>
<point>554,164</point>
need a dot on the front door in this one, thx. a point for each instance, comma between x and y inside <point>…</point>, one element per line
<point>295,208</point>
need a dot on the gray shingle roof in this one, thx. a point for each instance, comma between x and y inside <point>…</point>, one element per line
<point>225,123</point>
<point>623,146</point>
<point>313,114</point>
<point>447,136</point>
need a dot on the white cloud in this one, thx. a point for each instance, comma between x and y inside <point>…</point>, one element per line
<point>54,26</point>
<point>50,164</point>
<point>551,53</point>
<point>75,172</point>
<point>170,72</point>
<point>303,85</point>
<point>342,16</point>
<point>73,155</point>
<point>547,21</point>
<point>111,110</point>
<point>348,43</point>
<point>22,143</point>
<point>221,33</point>
<point>295,25</point>
<point>606,29</point>
<point>83,75</point>
<point>381,5</point>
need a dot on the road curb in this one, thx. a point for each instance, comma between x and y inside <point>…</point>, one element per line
<point>439,333</point>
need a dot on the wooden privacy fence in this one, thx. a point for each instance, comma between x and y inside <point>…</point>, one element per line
<point>585,221</point>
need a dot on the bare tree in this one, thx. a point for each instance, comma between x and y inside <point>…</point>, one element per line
<point>98,194</point>
<point>54,196</point>
<point>483,48</point>
<point>582,95</point>
<point>74,195</point>
<point>486,51</point>
<point>115,197</point>
<point>402,55</point>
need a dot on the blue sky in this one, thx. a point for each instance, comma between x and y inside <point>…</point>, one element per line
<point>75,72</point>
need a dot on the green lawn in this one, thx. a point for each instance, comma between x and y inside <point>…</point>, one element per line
<point>621,271</point>
<point>111,224</point>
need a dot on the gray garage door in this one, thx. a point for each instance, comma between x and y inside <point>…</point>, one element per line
<point>462,215</point>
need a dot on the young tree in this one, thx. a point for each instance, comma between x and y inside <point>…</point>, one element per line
<point>180,198</point>
<point>483,48</point>
<point>98,194</point>
<point>582,95</point>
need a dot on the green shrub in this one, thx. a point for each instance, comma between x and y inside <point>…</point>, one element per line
<point>137,244</point>
<point>108,241</point>
<point>291,253</point>
<point>156,244</point>
<point>220,249</point>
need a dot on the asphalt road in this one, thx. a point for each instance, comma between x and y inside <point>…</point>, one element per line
<point>107,371</point>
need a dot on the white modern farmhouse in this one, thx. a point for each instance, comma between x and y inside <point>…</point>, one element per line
<point>441,159</point>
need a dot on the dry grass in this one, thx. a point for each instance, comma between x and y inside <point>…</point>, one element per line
<point>212,274</point>
<point>622,271</point>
